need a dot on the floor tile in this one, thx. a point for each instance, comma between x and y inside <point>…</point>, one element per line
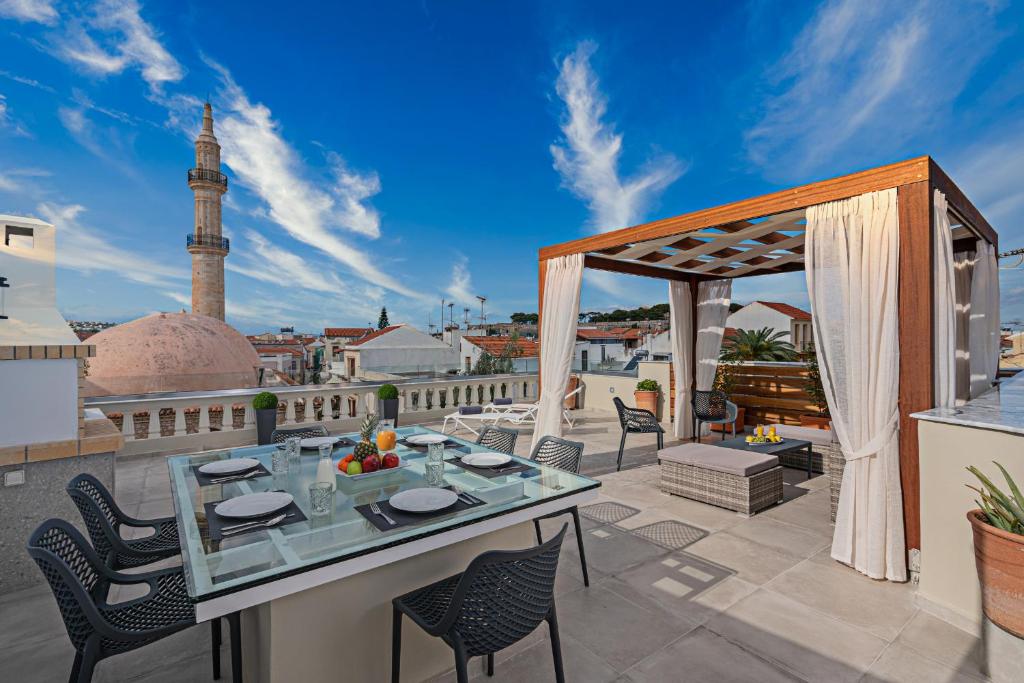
<point>751,561</point>
<point>781,536</point>
<point>611,550</point>
<point>699,514</point>
<point>900,664</point>
<point>943,642</point>
<point>811,512</point>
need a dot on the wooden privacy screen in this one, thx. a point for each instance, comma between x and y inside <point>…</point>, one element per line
<point>772,393</point>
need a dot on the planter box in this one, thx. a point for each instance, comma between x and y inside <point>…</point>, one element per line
<point>647,400</point>
<point>266,423</point>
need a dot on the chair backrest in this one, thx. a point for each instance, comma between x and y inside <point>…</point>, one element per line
<point>503,596</point>
<point>709,405</point>
<point>620,408</point>
<point>100,513</point>
<point>71,568</point>
<point>501,439</point>
<point>279,435</point>
<point>554,451</point>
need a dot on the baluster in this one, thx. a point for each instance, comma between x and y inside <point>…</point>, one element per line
<point>204,418</point>
<point>179,420</point>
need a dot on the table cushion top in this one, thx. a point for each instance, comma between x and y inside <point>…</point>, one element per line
<point>728,460</point>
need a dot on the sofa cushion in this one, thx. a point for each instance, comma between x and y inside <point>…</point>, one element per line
<point>728,460</point>
<point>819,437</point>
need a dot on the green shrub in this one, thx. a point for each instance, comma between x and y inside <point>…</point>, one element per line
<point>387,392</point>
<point>648,385</point>
<point>264,400</point>
<point>1003,511</point>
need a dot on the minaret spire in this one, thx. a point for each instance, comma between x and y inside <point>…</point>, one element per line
<point>206,244</point>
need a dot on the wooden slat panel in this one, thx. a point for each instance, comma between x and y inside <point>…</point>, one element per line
<point>771,370</point>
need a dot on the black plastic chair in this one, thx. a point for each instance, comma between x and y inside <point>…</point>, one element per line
<point>636,421</point>
<point>500,599</point>
<point>80,582</point>
<point>501,439</point>
<point>104,521</point>
<point>280,435</point>
<point>712,407</point>
<point>565,455</point>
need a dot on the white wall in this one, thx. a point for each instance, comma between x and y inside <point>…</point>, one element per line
<point>614,351</point>
<point>755,316</point>
<point>44,406</point>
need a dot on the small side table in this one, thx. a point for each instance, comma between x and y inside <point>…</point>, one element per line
<point>739,443</point>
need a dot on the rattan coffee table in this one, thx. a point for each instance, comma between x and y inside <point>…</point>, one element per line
<point>739,443</point>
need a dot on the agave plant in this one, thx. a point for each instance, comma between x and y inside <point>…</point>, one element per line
<point>765,345</point>
<point>1003,511</point>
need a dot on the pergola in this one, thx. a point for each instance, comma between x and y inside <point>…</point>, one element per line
<point>765,235</point>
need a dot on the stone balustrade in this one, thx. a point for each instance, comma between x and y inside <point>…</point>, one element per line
<point>202,420</point>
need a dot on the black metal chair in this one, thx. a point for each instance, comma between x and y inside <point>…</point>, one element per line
<point>501,439</point>
<point>104,521</point>
<point>279,435</point>
<point>636,421</point>
<point>565,455</point>
<point>712,407</point>
<point>80,582</point>
<point>500,599</point>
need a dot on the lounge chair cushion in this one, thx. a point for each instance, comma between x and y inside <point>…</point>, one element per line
<point>470,410</point>
<point>502,401</point>
<point>728,460</point>
<point>818,437</point>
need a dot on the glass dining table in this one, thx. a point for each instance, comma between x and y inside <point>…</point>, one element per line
<point>249,569</point>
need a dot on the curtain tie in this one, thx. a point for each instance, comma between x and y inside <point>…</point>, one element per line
<point>878,441</point>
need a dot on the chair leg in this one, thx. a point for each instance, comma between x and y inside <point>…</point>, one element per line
<point>461,663</point>
<point>235,629</point>
<point>490,664</point>
<point>723,433</point>
<point>556,646</point>
<point>396,644</point>
<point>622,444</point>
<point>661,441</point>
<point>536,527</point>
<point>88,662</point>
<point>76,667</point>
<point>215,646</point>
<point>579,541</point>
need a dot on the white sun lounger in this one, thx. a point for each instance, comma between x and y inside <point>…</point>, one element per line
<point>530,409</point>
<point>483,419</point>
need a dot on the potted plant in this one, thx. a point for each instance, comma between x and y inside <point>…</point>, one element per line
<point>387,395</point>
<point>264,404</point>
<point>725,381</point>
<point>816,392</point>
<point>646,395</point>
<point>998,526</point>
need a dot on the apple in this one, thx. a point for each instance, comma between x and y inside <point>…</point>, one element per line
<point>390,461</point>
<point>371,463</point>
<point>354,468</point>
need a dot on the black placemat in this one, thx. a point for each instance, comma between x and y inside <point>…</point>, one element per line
<point>343,442</point>
<point>210,479</point>
<point>449,445</point>
<point>217,523</point>
<point>493,472</point>
<point>409,518</point>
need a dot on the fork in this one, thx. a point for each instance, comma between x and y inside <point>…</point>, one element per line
<point>236,477</point>
<point>273,521</point>
<point>375,509</point>
<point>233,527</point>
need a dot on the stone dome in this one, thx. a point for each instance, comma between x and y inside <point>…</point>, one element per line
<point>170,352</point>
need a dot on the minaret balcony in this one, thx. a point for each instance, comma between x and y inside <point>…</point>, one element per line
<point>217,243</point>
<point>207,175</point>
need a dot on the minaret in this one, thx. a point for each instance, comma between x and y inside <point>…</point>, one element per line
<point>207,246</point>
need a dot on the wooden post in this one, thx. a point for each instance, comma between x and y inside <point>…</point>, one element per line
<point>916,331</point>
<point>542,273</point>
<point>694,284</point>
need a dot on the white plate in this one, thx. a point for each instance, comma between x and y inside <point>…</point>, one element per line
<point>231,466</point>
<point>426,439</point>
<point>423,500</point>
<point>485,459</point>
<point>254,504</point>
<point>314,442</point>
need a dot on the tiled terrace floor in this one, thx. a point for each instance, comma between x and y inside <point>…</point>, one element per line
<point>679,591</point>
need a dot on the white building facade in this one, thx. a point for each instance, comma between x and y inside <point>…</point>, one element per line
<point>795,322</point>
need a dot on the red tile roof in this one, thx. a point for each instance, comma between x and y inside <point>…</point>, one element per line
<point>347,331</point>
<point>373,335</point>
<point>277,350</point>
<point>627,332</point>
<point>786,309</point>
<point>591,333</point>
<point>528,348</point>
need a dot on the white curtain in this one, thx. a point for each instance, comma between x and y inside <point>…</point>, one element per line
<point>680,305</point>
<point>984,323</point>
<point>963,270</point>
<point>561,312</point>
<point>852,267</point>
<point>712,310</point>
<point>944,339</point>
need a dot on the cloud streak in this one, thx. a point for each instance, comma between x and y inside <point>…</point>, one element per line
<point>587,157</point>
<point>36,11</point>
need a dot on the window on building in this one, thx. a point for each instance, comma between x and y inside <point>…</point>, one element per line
<point>16,236</point>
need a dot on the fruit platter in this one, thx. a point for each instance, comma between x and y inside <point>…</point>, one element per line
<point>371,456</point>
<point>761,437</point>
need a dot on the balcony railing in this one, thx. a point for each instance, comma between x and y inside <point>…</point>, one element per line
<point>207,175</point>
<point>213,241</point>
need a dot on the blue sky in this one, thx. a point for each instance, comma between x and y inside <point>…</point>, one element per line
<point>394,153</point>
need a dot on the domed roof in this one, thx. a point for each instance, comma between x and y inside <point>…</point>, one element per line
<point>170,352</point>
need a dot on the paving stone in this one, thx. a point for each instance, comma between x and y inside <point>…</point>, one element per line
<point>943,642</point>
<point>751,561</point>
<point>900,664</point>
<point>611,550</point>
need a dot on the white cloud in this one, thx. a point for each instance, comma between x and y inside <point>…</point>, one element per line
<point>460,288</point>
<point>587,157</point>
<point>8,123</point>
<point>864,75</point>
<point>273,264</point>
<point>85,250</point>
<point>39,11</point>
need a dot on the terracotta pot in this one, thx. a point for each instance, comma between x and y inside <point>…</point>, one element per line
<point>572,403</point>
<point>999,556</point>
<point>648,400</point>
<point>816,421</point>
<point>741,414</point>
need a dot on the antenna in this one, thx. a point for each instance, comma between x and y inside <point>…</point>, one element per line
<point>451,318</point>
<point>465,312</point>
<point>483,316</point>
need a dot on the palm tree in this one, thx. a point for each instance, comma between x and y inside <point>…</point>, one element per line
<point>765,344</point>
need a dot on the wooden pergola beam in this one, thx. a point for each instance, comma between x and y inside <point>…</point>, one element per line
<point>632,268</point>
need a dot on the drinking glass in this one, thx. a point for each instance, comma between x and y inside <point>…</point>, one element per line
<point>434,465</point>
<point>321,498</point>
<point>293,446</point>
<point>279,459</point>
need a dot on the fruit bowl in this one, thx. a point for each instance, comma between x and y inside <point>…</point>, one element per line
<point>764,440</point>
<point>398,464</point>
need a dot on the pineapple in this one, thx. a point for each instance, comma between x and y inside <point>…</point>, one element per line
<point>366,447</point>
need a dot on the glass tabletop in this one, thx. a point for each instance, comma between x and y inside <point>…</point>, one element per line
<point>237,562</point>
